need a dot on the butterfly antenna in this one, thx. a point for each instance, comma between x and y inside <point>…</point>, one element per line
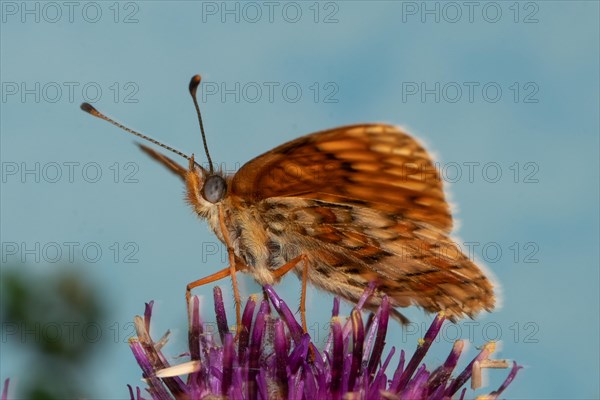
<point>194,83</point>
<point>88,108</point>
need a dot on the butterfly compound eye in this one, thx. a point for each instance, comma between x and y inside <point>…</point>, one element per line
<point>214,189</point>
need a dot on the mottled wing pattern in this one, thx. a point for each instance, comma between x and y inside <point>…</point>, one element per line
<point>375,166</point>
<point>365,203</point>
<point>349,246</point>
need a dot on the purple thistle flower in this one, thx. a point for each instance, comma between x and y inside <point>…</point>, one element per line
<point>271,357</point>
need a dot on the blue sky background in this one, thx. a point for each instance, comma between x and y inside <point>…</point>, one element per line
<point>540,132</point>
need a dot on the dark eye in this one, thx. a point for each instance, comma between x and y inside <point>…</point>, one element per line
<point>214,189</point>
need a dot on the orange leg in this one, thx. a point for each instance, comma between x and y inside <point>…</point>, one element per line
<point>303,296</point>
<point>284,269</point>
<point>236,290</point>
<point>224,273</point>
<point>232,268</point>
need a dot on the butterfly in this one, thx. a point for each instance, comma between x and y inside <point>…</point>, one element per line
<point>340,208</point>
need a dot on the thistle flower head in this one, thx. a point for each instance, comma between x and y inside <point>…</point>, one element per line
<point>271,357</point>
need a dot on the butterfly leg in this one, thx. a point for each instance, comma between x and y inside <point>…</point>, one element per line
<point>303,296</point>
<point>284,269</point>
<point>232,268</point>
<point>224,273</point>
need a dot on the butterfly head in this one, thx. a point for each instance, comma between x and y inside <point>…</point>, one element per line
<point>205,189</point>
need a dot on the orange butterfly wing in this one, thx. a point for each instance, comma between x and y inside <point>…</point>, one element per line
<point>375,166</point>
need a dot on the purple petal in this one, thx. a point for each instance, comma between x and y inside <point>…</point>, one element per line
<point>298,354</point>
<point>358,337</point>
<point>384,315</point>
<point>237,384</point>
<point>197,342</point>
<point>158,361</point>
<point>366,294</point>
<point>299,392</point>
<point>255,348</point>
<point>370,337</point>
<point>284,311</point>
<point>220,313</point>
<point>336,307</point>
<point>421,350</point>
<point>318,359</point>
<point>338,359</point>
<point>281,357</point>
<point>244,334</point>
<point>228,356</point>
<point>507,381</point>
<point>131,396</point>
<point>438,394</point>
<point>346,370</point>
<point>155,386</point>
<point>440,377</point>
<point>195,330</point>
<point>361,302</point>
<point>148,315</point>
<point>454,355</point>
<point>398,374</point>
<point>466,374</point>
<point>380,378</point>
<point>216,369</point>
<point>310,385</point>
<point>261,381</point>
<point>416,388</point>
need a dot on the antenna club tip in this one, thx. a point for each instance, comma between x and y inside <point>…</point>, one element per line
<point>88,108</point>
<point>194,83</point>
